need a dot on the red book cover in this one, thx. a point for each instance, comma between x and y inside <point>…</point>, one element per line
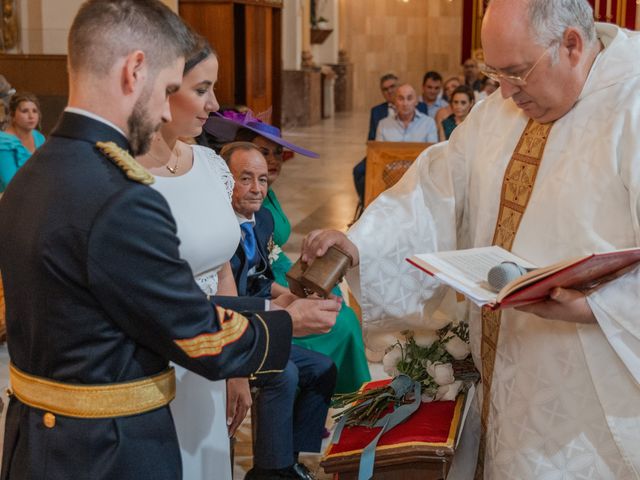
<point>584,274</point>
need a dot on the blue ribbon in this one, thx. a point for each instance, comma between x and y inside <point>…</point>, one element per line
<point>401,385</point>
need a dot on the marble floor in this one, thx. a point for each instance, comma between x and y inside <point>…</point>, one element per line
<point>319,193</point>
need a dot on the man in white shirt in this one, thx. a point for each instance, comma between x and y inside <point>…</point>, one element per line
<point>408,124</point>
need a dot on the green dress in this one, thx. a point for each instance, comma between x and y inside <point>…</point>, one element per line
<point>344,342</point>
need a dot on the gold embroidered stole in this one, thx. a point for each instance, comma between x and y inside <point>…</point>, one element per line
<point>517,186</point>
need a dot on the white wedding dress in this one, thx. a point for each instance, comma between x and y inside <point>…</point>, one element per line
<point>200,201</point>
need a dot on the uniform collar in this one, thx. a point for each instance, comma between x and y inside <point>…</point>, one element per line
<point>82,127</point>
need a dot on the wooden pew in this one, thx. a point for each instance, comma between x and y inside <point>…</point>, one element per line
<point>386,163</point>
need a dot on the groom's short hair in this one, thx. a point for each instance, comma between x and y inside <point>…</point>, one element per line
<point>105,30</point>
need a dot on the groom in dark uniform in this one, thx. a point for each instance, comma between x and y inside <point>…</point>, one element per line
<point>98,300</point>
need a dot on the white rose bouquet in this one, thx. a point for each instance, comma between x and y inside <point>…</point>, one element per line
<point>436,360</point>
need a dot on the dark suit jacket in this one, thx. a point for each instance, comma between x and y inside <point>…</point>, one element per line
<point>96,293</point>
<point>422,107</point>
<point>257,284</point>
<point>377,113</point>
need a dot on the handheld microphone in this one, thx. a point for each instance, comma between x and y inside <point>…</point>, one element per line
<point>505,272</point>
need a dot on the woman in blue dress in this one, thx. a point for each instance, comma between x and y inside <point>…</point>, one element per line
<point>21,138</point>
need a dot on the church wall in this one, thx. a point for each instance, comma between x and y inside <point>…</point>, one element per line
<point>407,38</point>
<point>45,24</point>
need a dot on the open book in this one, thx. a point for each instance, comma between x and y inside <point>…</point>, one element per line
<point>466,271</point>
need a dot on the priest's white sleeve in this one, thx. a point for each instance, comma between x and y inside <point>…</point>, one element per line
<point>612,348</point>
<point>416,215</point>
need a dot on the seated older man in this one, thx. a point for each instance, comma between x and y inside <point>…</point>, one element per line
<point>292,406</point>
<point>408,124</point>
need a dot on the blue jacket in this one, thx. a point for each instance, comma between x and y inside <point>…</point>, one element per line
<point>257,284</point>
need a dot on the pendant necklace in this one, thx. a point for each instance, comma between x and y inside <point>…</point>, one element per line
<point>174,169</point>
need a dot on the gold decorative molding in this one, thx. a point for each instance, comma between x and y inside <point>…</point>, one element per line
<point>9,25</point>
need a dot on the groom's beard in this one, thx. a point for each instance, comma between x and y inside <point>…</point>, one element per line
<point>141,126</point>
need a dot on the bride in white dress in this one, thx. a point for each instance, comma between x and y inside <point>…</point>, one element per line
<point>197,185</point>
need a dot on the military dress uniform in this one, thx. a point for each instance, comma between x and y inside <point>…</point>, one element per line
<point>98,302</point>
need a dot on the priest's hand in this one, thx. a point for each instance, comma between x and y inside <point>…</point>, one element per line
<point>310,316</point>
<point>564,304</point>
<point>317,242</point>
<point>238,402</point>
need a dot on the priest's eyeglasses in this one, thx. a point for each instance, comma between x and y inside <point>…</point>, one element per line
<point>516,80</point>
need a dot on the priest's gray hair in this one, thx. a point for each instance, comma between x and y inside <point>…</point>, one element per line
<point>104,31</point>
<point>549,19</point>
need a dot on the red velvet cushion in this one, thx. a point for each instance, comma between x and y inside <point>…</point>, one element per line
<point>432,425</point>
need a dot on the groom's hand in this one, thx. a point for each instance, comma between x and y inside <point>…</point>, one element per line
<point>311,316</point>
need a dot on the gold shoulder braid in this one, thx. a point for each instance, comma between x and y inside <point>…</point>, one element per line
<point>125,162</point>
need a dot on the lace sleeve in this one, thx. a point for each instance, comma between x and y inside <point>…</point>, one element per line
<point>223,170</point>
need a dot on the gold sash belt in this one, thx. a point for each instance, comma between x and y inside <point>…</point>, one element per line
<point>94,401</point>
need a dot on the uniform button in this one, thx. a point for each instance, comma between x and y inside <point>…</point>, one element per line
<point>49,420</point>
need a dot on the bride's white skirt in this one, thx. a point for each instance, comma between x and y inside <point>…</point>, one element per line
<point>199,412</point>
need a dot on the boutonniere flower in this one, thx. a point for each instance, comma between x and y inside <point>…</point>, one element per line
<point>274,250</point>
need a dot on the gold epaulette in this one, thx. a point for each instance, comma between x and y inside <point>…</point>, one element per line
<point>125,162</point>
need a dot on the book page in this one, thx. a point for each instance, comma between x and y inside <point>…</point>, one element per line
<point>467,270</point>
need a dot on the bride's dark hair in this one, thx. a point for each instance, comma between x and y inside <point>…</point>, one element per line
<point>202,51</point>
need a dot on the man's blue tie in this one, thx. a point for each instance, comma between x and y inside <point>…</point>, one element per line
<point>249,243</point>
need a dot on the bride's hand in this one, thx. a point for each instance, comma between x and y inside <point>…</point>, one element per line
<point>238,402</point>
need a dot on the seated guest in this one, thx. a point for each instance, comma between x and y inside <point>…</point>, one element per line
<point>407,124</point>
<point>472,75</point>
<point>449,86</point>
<point>343,344</point>
<point>292,406</point>
<point>462,100</point>
<point>20,139</point>
<point>431,100</point>
<point>489,85</point>
<point>6,91</point>
<point>388,85</point>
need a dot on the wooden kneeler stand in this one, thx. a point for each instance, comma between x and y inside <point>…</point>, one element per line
<point>421,448</point>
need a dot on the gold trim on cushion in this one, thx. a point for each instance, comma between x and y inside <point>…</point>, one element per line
<point>210,344</point>
<point>449,443</point>
<point>517,187</point>
<point>94,401</point>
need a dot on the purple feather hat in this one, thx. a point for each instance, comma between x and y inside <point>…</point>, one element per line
<point>225,125</point>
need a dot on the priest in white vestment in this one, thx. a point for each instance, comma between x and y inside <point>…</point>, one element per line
<point>565,395</point>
